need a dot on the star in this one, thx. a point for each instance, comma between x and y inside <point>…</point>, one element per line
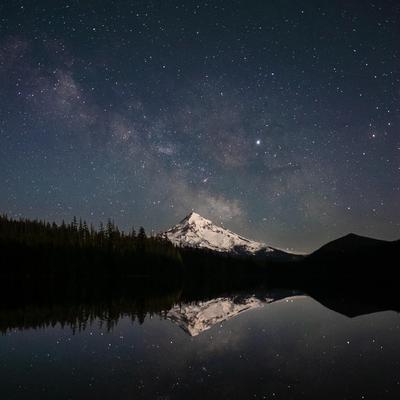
<point>143,104</point>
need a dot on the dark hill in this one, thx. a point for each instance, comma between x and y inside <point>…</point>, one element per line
<point>355,261</point>
<point>353,245</point>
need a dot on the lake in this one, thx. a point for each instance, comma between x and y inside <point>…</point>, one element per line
<point>272,344</point>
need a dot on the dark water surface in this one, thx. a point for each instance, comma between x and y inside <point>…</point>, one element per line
<point>267,346</point>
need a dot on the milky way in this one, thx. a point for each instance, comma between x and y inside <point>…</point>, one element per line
<point>278,119</point>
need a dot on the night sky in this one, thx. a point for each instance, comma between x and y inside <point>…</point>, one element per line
<point>278,119</point>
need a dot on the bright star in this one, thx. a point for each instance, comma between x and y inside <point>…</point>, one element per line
<point>258,142</point>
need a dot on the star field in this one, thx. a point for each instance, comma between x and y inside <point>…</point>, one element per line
<point>279,120</point>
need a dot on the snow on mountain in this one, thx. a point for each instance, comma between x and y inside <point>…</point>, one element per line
<point>196,231</point>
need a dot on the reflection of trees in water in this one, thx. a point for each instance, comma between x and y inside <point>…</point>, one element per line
<point>78,317</point>
<point>78,305</point>
<point>34,304</point>
<point>78,312</point>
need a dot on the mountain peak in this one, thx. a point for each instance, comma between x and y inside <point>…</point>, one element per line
<point>199,232</point>
<point>194,218</point>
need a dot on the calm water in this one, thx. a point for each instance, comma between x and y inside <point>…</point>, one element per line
<point>246,347</point>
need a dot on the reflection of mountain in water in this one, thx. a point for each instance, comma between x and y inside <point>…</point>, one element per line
<point>40,304</point>
<point>198,317</point>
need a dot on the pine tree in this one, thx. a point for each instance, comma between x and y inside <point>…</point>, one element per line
<point>133,233</point>
<point>142,234</point>
<point>74,224</point>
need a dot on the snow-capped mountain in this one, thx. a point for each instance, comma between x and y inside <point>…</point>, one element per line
<point>197,318</point>
<point>198,232</point>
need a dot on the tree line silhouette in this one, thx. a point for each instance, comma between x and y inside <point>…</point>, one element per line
<point>75,250</point>
<point>32,247</point>
<point>77,234</point>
